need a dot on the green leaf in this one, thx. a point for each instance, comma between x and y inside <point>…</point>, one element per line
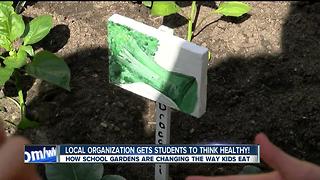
<point>5,42</point>
<point>16,61</point>
<point>17,26</point>
<point>7,3</point>
<point>5,74</point>
<point>38,29</point>
<point>47,66</point>
<point>113,177</point>
<point>5,13</point>
<point>27,123</point>
<point>235,9</point>
<point>28,49</point>
<point>5,10</point>
<point>164,8</point>
<point>147,3</point>
<point>74,171</point>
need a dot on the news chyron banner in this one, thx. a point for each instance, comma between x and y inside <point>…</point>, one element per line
<point>230,153</point>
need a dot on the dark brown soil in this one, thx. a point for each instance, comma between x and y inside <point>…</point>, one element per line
<point>264,77</point>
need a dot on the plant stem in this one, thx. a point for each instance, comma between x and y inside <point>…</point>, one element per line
<point>20,94</point>
<point>202,20</point>
<point>191,19</point>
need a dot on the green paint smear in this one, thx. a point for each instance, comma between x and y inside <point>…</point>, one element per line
<point>131,60</point>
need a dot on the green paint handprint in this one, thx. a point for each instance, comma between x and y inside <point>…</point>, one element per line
<point>131,56</point>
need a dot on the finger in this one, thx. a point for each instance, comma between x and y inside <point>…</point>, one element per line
<point>275,157</point>
<point>2,133</point>
<point>12,161</point>
<point>265,176</point>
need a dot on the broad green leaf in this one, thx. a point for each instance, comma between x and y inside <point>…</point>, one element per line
<point>47,66</point>
<point>5,13</point>
<point>7,3</point>
<point>147,3</point>
<point>27,49</point>
<point>5,74</point>
<point>27,123</point>
<point>74,171</point>
<point>113,177</point>
<point>5,42</point>
<point>235,9</point>
<point>16,61</point>
<point>164,8</point>
<point>17,26</point>
<point>38,29</point>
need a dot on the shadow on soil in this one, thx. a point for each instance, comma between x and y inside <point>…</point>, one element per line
<point>94,112</point>
<point>56,39</point>
<point>275,94</point>
<point>91,103</point>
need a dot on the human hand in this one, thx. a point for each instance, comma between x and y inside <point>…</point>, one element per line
<point>12,166</point>
<point>285,166</point>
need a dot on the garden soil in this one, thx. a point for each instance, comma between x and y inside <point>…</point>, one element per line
<point>264,76</point>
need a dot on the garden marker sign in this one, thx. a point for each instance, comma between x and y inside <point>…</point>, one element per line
<point>157,65</point>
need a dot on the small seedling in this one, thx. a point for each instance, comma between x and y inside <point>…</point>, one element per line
<point>18,57</point>
<point>165,8</point>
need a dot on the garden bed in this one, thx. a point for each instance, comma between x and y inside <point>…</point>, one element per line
<point>264,76</point>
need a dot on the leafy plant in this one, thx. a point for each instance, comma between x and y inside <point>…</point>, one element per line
<point>78,172</point>
<point>235,9</point>
<point>18,56</point>
<point>165,8</point>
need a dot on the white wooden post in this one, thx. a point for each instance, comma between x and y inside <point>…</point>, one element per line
<point>163,120</point>
<point>173,54</point>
